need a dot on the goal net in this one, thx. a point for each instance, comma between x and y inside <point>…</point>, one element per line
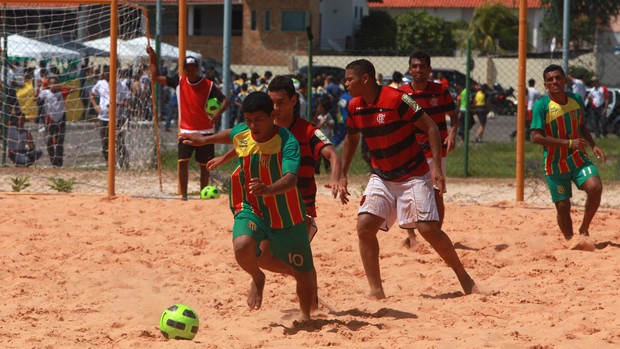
<point>55,62</point>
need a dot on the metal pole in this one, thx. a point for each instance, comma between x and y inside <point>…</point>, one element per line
<point>226,58</point>
<point>522,106</point>
<point>566,36</point>
<point>309,77</point>
<point>112,111</point>
<point>4,67</point>
<point>181,62</point>
<point>158,89</point>
<point>467,112</point>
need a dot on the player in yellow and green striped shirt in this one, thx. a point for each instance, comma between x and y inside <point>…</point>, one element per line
<point>265,201</point>
<point>558,124</point>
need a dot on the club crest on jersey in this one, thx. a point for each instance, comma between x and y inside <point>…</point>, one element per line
<point>433,102</point>
<point>411,102</point>
<point>381,118</point>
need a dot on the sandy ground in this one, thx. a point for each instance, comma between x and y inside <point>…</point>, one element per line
<point>85,271</point>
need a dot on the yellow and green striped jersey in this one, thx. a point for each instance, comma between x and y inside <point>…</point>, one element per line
<point>268,161</point>
<point>564,122</point>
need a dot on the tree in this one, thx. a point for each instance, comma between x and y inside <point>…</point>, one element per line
<point>420,30</point>
<point>494,29</point>
<point>585,16</point>
<point>377,32</point>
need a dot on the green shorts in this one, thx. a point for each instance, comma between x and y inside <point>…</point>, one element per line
<point>289,244</point>
<point>560,184</point>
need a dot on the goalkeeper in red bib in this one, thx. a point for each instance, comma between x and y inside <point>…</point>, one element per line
<point>193,92</point>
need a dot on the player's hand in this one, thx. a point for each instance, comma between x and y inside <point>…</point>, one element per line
<point>194,139</point>
<point>450,142</point>
<point>439,181</point>
<point>579,143</point>
<point>215,118</point>
<point>98,109</point>
<point>215,163</point>
<point>342,190</point>
<point>150,52</point>
<point>257,187</point>
<point>599,153</point>
<point>334,186</point>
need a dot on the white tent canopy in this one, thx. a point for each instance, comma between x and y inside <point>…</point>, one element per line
<point>136,48</point>
<point>123,48</point>
<point>167,50</point>
<point>23,47</point>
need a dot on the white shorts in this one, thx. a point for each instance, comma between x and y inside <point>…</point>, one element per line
<point>443,169</point>
<point>410,201</point>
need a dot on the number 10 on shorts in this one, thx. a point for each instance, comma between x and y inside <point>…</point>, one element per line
<point>296,259</point>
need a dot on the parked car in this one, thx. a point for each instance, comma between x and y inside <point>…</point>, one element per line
<point>337,72</point>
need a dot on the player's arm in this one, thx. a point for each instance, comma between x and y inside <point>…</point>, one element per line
<point>429,126</point>
<point>225,104</point>
<point>454,125</point>
<point>196,139</point>
<point>221,160</point>
<point>595,149</point>
<point>93,101</point>
<point>282,185</point>
<point>349,145</point>
<point>153,68</point>
<point>329,152</point>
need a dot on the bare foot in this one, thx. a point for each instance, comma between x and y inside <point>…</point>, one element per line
<point>255,296</point>
<point>377,294</point>
<point>467,284</point>
<point>581,243</point>
<point>410,243</point>
<point>477,289</point>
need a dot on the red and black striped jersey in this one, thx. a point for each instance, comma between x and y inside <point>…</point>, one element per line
<point>387,126</point>
<point>311,141</point>
<point>436,102</point>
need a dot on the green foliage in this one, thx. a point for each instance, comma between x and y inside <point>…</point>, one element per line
<point>498,160</point>
<point>418,30</point>
<point>582,73</point>
<point>585,15</point>
<point>377,32</point>
<point>61,185</point>
<point>20,183</point>
<point>495,29</point>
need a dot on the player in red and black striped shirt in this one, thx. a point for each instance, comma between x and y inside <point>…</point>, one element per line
<point>437,102</point>
<point>401,186</point>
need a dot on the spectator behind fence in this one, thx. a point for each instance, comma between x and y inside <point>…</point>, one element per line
<point>324,121</point>
<point>599,99</point>
<point>53,102</point>
<point>22,150</point>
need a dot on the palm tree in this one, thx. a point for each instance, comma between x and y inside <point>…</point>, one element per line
<point>494,29</point>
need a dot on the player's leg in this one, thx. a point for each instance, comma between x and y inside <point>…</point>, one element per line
<point>560,187</point>
<point>103,133</point>
<point>247,234</point>
<point>185,152</point>
<point>367,228</point>
<point>377,211</point>
<point>60,141</point>
<point>441,243</point>
<point>589,181</point>
<point>292,247</point>
<point>203,155</point>
<point>410,241</point>
<point>416,203</point>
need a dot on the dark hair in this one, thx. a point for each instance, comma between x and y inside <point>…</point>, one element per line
<point>361,67</point>
<point>257,102</point>
<point>423,56</point>
<point>397,77</point>
<point>531,82</point>
<point>552,67</point>
<point>282,83</point>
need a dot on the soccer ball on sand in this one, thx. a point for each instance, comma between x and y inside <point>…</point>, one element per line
<point>213,105</point>
<point>210,192</point>
<point>179,322</point>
